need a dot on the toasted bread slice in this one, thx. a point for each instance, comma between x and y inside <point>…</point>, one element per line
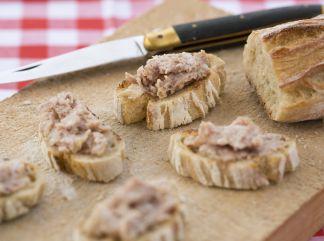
<point>123,211</point>
<point>94,168</point>
<point>20,202</point>
<point>251,173</point>
<point>192,102</point>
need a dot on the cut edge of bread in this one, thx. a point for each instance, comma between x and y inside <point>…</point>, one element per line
<point>131,104</point>
<point>20,202</point>
<point>266,87</point>
<point>171,230</point>
<point>93,168</point>
<point>249,174</point>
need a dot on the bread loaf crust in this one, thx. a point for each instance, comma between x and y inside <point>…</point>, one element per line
<point>194,101</point>
<point>285,64</point>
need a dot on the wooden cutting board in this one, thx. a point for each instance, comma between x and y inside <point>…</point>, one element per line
<point>290,211</point>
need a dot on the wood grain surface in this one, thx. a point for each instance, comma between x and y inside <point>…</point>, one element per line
<point>290,211</point>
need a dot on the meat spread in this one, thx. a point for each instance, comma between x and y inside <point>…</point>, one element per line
<point>135,209</point>
<point>14,176</point>
<point>166,74</point>
<point>240,139</point>
<point>70,127</point>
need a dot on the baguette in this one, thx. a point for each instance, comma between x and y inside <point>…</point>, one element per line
<point>132,215</point>
<point>74,140</point>
<point>285,65</point>
<point>250,172</point>
<point>18,201</point>
<point>133,104</point>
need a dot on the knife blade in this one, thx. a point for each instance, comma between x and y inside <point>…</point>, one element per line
<point>218,32</point>
<point>88,57</point>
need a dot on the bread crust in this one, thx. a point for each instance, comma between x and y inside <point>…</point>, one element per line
<point>20,202</point>
<point>253,173</point>
<point>131,104</point>
<point>93,168</point>
<point>285,64</point>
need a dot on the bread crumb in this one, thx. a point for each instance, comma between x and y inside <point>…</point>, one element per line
<point>26,102</point>
<point>100,197</point>
<point>66,188</point>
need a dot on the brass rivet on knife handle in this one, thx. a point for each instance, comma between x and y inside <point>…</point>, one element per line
<point>162,39</point>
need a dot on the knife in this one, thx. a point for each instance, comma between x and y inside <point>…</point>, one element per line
<point>218,32</point>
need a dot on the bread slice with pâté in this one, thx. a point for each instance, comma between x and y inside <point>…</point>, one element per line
<point>171,90</point>
<point>237,156</point>
<point>21,188</point>
<point>73,139</point>
<point>138,211</point>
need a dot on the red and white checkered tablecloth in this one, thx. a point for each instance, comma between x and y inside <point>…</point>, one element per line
<point>32,30</point>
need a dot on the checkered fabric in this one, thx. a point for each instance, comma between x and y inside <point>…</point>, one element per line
<point>32,30</point>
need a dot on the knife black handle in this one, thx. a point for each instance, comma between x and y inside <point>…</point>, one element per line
<point>226,29</point>
<point>244,23</point>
